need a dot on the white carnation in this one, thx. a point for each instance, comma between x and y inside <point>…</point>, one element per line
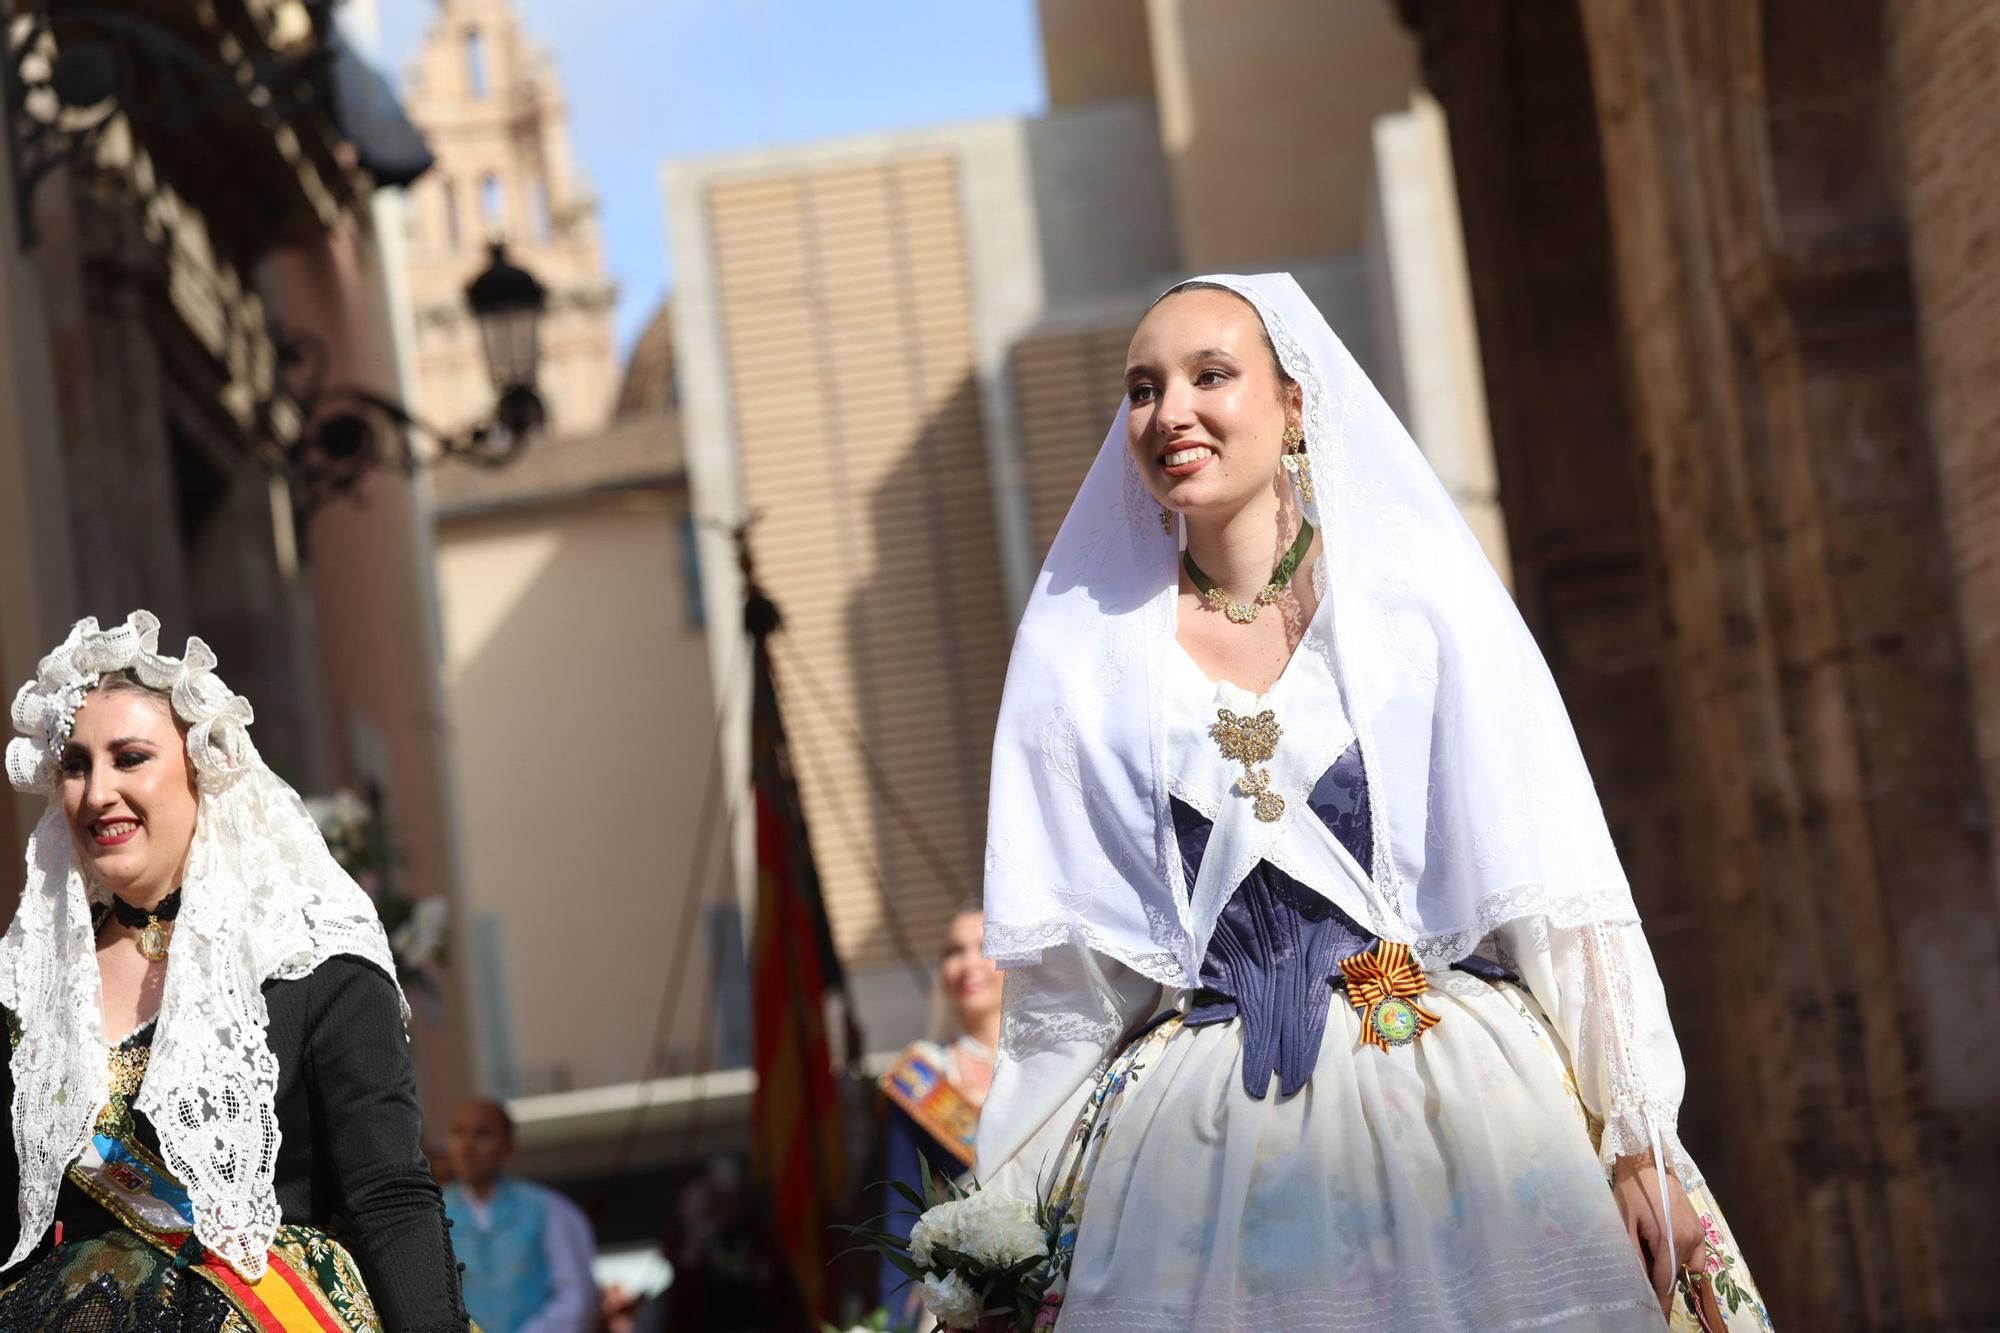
<point>995,1231</point>
<point>935,1230</point>
<point>999,1230</point>
<point>951,1301</point>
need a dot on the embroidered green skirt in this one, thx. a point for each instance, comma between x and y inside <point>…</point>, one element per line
<point>118,1282</point>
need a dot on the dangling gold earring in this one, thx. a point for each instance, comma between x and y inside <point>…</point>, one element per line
<point>1166,520</point>
<point>1297,463</point>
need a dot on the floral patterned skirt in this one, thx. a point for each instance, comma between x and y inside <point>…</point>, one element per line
<point>119,1283</point>
<point>1450,1184</point>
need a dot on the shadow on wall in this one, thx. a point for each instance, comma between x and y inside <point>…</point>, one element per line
<point>929,636</point>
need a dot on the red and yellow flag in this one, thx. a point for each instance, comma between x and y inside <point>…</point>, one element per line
<point>797,1135</point>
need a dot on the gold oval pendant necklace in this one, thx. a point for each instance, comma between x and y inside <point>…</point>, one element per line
<point>155,924</point>
<point>1244,613</point>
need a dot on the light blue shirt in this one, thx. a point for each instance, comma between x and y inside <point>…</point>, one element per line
<point>527,1252</point>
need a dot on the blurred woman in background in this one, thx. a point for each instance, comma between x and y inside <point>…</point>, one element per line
<point>936,1088</point>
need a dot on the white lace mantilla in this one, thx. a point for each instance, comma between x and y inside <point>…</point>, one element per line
<point>263,898</point>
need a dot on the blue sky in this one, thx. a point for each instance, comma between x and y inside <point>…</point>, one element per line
<point>650,80</point>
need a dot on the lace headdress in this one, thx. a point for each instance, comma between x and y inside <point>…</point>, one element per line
<point>263,899</point>
<point>1483,810</point>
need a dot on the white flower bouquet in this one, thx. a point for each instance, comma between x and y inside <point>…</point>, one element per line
<point>974,1255</point>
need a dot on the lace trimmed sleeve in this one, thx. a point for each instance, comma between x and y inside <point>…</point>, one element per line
<point>1062,1022</point>
<point>1601,991</point>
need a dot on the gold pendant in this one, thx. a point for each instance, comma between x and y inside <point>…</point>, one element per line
<point>1241,613</point>
<point>155,938</point>
<point>1250,741</point>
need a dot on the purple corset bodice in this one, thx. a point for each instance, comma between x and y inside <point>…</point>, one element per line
<point>1274,959</point>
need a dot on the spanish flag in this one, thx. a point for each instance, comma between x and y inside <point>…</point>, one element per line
<point>796,1129</point>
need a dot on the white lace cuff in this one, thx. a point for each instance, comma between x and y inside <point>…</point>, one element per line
<point>1628,1132</point>
<point>1598,985</point>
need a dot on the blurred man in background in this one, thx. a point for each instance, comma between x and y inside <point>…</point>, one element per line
<point>526,1249</point>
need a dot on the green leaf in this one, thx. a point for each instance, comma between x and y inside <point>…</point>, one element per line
<point>904,1264</point>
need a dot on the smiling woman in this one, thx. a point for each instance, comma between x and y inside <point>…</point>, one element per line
<point>185,1173</point>
<point>1328,1005</point>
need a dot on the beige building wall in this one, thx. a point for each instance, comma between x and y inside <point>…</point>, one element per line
<point>582,727</point>
<point>491,107</point>
<point>1265,115</point>
<point>576,687</point>
<point>372,623</point>
<point>1068,382</point>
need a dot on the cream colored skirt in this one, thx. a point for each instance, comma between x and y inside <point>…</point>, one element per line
<point>1450,1184</point>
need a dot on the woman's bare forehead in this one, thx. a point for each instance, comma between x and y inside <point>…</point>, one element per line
<point>1192,325</point>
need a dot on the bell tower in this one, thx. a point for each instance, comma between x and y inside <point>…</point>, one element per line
<point>489,102</point>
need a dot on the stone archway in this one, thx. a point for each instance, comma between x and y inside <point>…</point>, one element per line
<point>1701,347</point>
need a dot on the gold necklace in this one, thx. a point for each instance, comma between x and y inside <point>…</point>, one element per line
<point>1250,741</point>
<point>1244,613</point>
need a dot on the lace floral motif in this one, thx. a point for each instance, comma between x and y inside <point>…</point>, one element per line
<point>1634,1106</point>
<point>1441,949</point>
<point>263,899</point>
<point>1023,946</point>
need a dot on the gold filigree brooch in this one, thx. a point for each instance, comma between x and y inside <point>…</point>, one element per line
<point>1251,741</point>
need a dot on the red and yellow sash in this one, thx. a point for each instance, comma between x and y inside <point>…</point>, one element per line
<point>919,1084</point>
<point>137,1189</point>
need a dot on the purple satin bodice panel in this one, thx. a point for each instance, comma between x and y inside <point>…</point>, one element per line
<point>1340,799</point>
<point>1274,959</point>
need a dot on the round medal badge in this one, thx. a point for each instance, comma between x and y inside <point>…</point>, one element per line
<point>1395,1020</point>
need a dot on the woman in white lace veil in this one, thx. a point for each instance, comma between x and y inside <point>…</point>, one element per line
<point>1328,1006</point>
<point>211,1101</point>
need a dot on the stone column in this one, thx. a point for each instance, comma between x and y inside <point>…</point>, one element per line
<point>1760,553</point>
<point>36,570</point>
<point>1945,60</point>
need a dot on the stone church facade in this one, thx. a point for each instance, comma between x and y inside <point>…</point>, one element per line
<point>1736,267</point>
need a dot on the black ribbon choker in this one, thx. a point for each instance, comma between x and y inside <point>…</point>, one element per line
<point>139,918</point>
<point>155,924</point>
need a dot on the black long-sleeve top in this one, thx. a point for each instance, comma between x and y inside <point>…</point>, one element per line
<point>350,1161</point>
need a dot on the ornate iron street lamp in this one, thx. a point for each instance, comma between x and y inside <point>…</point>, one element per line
<point>508,302</point>
<point>339,445</point>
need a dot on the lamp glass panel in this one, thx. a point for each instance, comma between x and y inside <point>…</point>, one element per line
<point>511,351</point>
